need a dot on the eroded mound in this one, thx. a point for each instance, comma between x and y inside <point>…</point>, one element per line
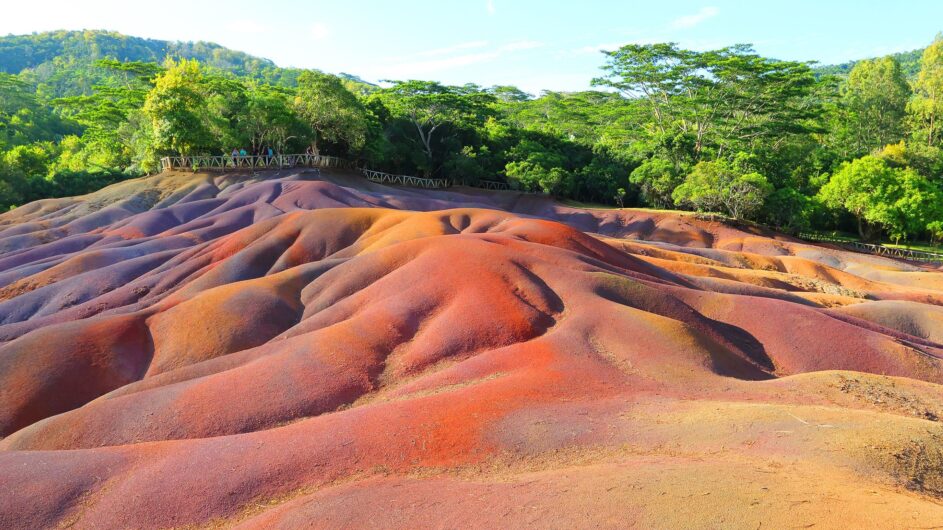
<point>306,350</point>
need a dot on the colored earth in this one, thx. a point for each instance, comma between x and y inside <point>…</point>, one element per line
<point>304,350</point>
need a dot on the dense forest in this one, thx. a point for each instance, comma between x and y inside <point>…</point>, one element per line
<point>855,147</point>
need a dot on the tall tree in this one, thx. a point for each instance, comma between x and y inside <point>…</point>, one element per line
<point>723,185</point>
<point>926,109</point>
<point>874,101</point>
<point>334,113</point>
<point>177,109</point>
<point>727,99</point>
<point>271,119</point>
<point>104,114</point>
<point>431,107</point>
<point>878,195</point>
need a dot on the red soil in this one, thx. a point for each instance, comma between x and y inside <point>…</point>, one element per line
<point>190,351</point>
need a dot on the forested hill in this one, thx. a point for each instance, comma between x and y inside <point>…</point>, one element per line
<point>723,130</point>
<point>909,64</point>
<point>62,60</point>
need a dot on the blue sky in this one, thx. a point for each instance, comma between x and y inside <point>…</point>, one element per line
<point>532,44</point>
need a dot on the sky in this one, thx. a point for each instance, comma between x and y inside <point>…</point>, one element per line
<point>533,44</point>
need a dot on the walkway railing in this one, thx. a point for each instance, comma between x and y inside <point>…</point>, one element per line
<point>251,162</point>
<point>226,163</point>
<point>490,185</point>
<point>404,180</point>
<point>877,250</point>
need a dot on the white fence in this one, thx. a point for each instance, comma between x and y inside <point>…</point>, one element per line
<point>231,163</point>
<point>490,185</point>
<point>251,162</point>
<point>877,250</point>
<point>404,180</point>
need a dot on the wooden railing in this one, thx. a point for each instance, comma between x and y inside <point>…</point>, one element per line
<point>404,180</point>
<point>877,250</point>
<point>252,162</point>
<point>490,185</point>
<point>233,163</point>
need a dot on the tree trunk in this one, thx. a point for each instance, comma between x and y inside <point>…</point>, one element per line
<point>930,132</point>
<point>861,231</point>
<point>867,231</point>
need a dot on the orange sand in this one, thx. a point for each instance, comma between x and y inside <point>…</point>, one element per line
<point>281,351</point>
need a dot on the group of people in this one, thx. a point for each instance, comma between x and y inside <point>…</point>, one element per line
<point>241,157</point>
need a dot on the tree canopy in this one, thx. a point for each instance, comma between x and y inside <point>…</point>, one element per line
<point>726,130</point>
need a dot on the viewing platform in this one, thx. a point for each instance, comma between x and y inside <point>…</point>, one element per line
<point>235,163</point>
<point>252,162</point>
<point>877,250</point>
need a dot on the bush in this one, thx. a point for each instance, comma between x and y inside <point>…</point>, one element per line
<point>657,179</point>
<point>722,186</point>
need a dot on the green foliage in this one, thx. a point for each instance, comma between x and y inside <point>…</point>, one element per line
<point>63,63</point>
<point>431,110</point>
<point>725,186</point>
<point>880,196</point>
<point>657,179</point>
<point>790,210</point>
<point>723,100</point>
<point>873,106</point>
<point>334,114</point>
<point>176,110</point>
<point>723,130</point>
<point>909,64</point>
<point>533,176</point>
<point>860,188</point>
<point>926,109</point>
<point>270,119</point>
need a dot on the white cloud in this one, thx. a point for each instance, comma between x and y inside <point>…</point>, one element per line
<point>420,68</point>
<point>489,6</point>
<point>452,49</point>
<point>459,55</point>
<point>246,25</point>
<point>599,48</point>
<point>320,31</point>
<point>689,21</point>
<point>520,46</point>
<point>609,46</point>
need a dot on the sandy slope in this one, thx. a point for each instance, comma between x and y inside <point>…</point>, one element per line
<point>296,350</point>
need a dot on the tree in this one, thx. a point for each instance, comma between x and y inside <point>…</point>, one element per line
<point>226,112</point>
<point>926,109</point>
<point>723,185</point>
<point>534,177</point>
<point>23,117</point>
<point>333,113</point>
<point>789,210</point>
<point>899,200</point>
<point>177,110</point>
<point>726,99</point>
<point>271,119</point>
<point>509,94</point>
<point>105,143</point>
<point>874,102</point>
<point>860,188</point>
<point>657,179</point>
<point>917,205</point>
<point>430,107</point>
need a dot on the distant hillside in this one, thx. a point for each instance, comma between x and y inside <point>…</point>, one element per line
<point>909,63</point>
<point>61,60</point>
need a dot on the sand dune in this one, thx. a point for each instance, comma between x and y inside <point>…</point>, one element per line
<point>314,350</point>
